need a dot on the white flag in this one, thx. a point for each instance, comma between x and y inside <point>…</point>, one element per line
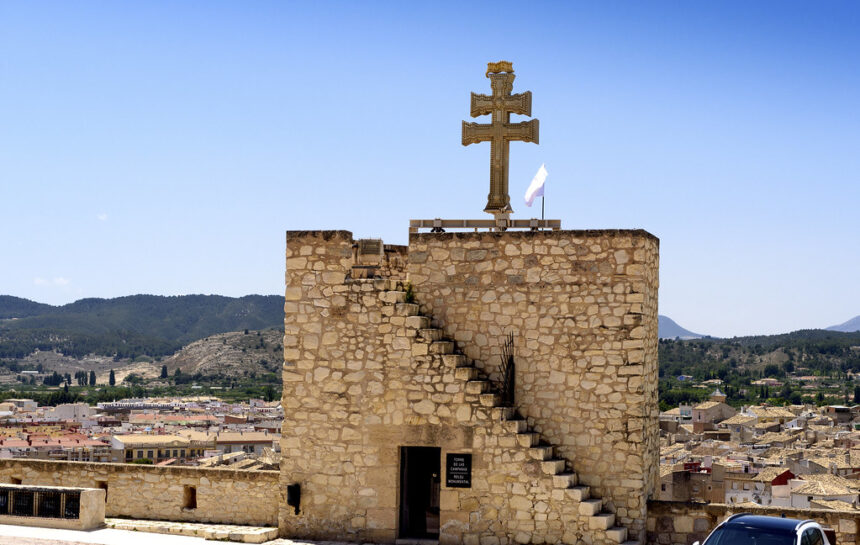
<point>536,187</point>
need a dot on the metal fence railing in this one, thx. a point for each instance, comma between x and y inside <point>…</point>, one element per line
<point>72,507</point>
<point>49,504</point>
<point>40,502</point>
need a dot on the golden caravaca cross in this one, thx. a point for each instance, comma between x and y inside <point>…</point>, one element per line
<point>500,132</point>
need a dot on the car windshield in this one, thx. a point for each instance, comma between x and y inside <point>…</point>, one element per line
<point>745,535</point>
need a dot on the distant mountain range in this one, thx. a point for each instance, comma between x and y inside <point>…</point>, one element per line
<point>667,328</point>
<point>126,327</point>
<point>851,325</point>
<point>158,326</point>
<point>16,307</point>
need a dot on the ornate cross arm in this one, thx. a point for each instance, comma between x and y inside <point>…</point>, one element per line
<point>527,131</point>
<point>516,104</point>
<point>481,104</point>
<point>520,104</point>
<point>476,132</point>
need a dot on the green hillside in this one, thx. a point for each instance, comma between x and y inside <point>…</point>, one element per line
<point>127,327</point>
<point>16,307</point>
<point>738,362</point>
<point>816,350</point>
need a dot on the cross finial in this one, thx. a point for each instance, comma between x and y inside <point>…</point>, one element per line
<point>500,132</point>
<point>501,66</point>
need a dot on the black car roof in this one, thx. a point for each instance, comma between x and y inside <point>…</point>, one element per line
<point>770,523</point>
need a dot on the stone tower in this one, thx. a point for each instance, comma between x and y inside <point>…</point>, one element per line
<point>393,423</point>
<point>370,373</point>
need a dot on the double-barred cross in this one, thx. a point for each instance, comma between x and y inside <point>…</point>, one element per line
<point>500,132</point>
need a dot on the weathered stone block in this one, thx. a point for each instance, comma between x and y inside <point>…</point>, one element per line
<point>683,524</point>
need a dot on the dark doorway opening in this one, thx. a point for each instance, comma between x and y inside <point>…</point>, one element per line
<point>104,486</point>
<point>189,499</point>
<point>420,482</point>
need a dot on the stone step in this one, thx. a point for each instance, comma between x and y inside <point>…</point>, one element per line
<point>516,426</point>
<point>455,360</point>
<point>601,521</point>
<point>394,285</point>
<point>219,532</point>
<point>442,347</point>
<point>466,373</point>
<point>590,507</point>
<point>631,542</point>
<point>542,452</point>
<point>429,335</point>
<point>406,309</point>
<point>490,400</point>
<point>528,439</point>
<point>564,480</point>
<point>393,297</point>
<point>553,467</point>
<point>417,322</point>
<point>477,386</point>
<point>616,534</point>
<point>579,493</point>
<point>502,413</point>
<point>387,284</point>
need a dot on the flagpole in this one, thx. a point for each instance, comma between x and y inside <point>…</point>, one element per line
<point>541,207</point>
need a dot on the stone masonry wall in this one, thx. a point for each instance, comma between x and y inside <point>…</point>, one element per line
<point>365,374</point>
<point>148,492</point>
<point>683,523</point>
<point>583,309</point>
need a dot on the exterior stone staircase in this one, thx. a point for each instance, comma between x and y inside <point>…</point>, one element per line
<point>592,517</point>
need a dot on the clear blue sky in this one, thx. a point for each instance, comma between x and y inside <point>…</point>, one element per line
<point>165,147</point>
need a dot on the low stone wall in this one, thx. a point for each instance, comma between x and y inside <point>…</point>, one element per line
<point>161,493</point>
<point>682,523</point>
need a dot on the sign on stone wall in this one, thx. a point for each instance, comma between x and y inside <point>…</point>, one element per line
<point>458,472</point>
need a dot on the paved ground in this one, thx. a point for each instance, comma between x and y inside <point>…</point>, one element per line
<point>28,535</point>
